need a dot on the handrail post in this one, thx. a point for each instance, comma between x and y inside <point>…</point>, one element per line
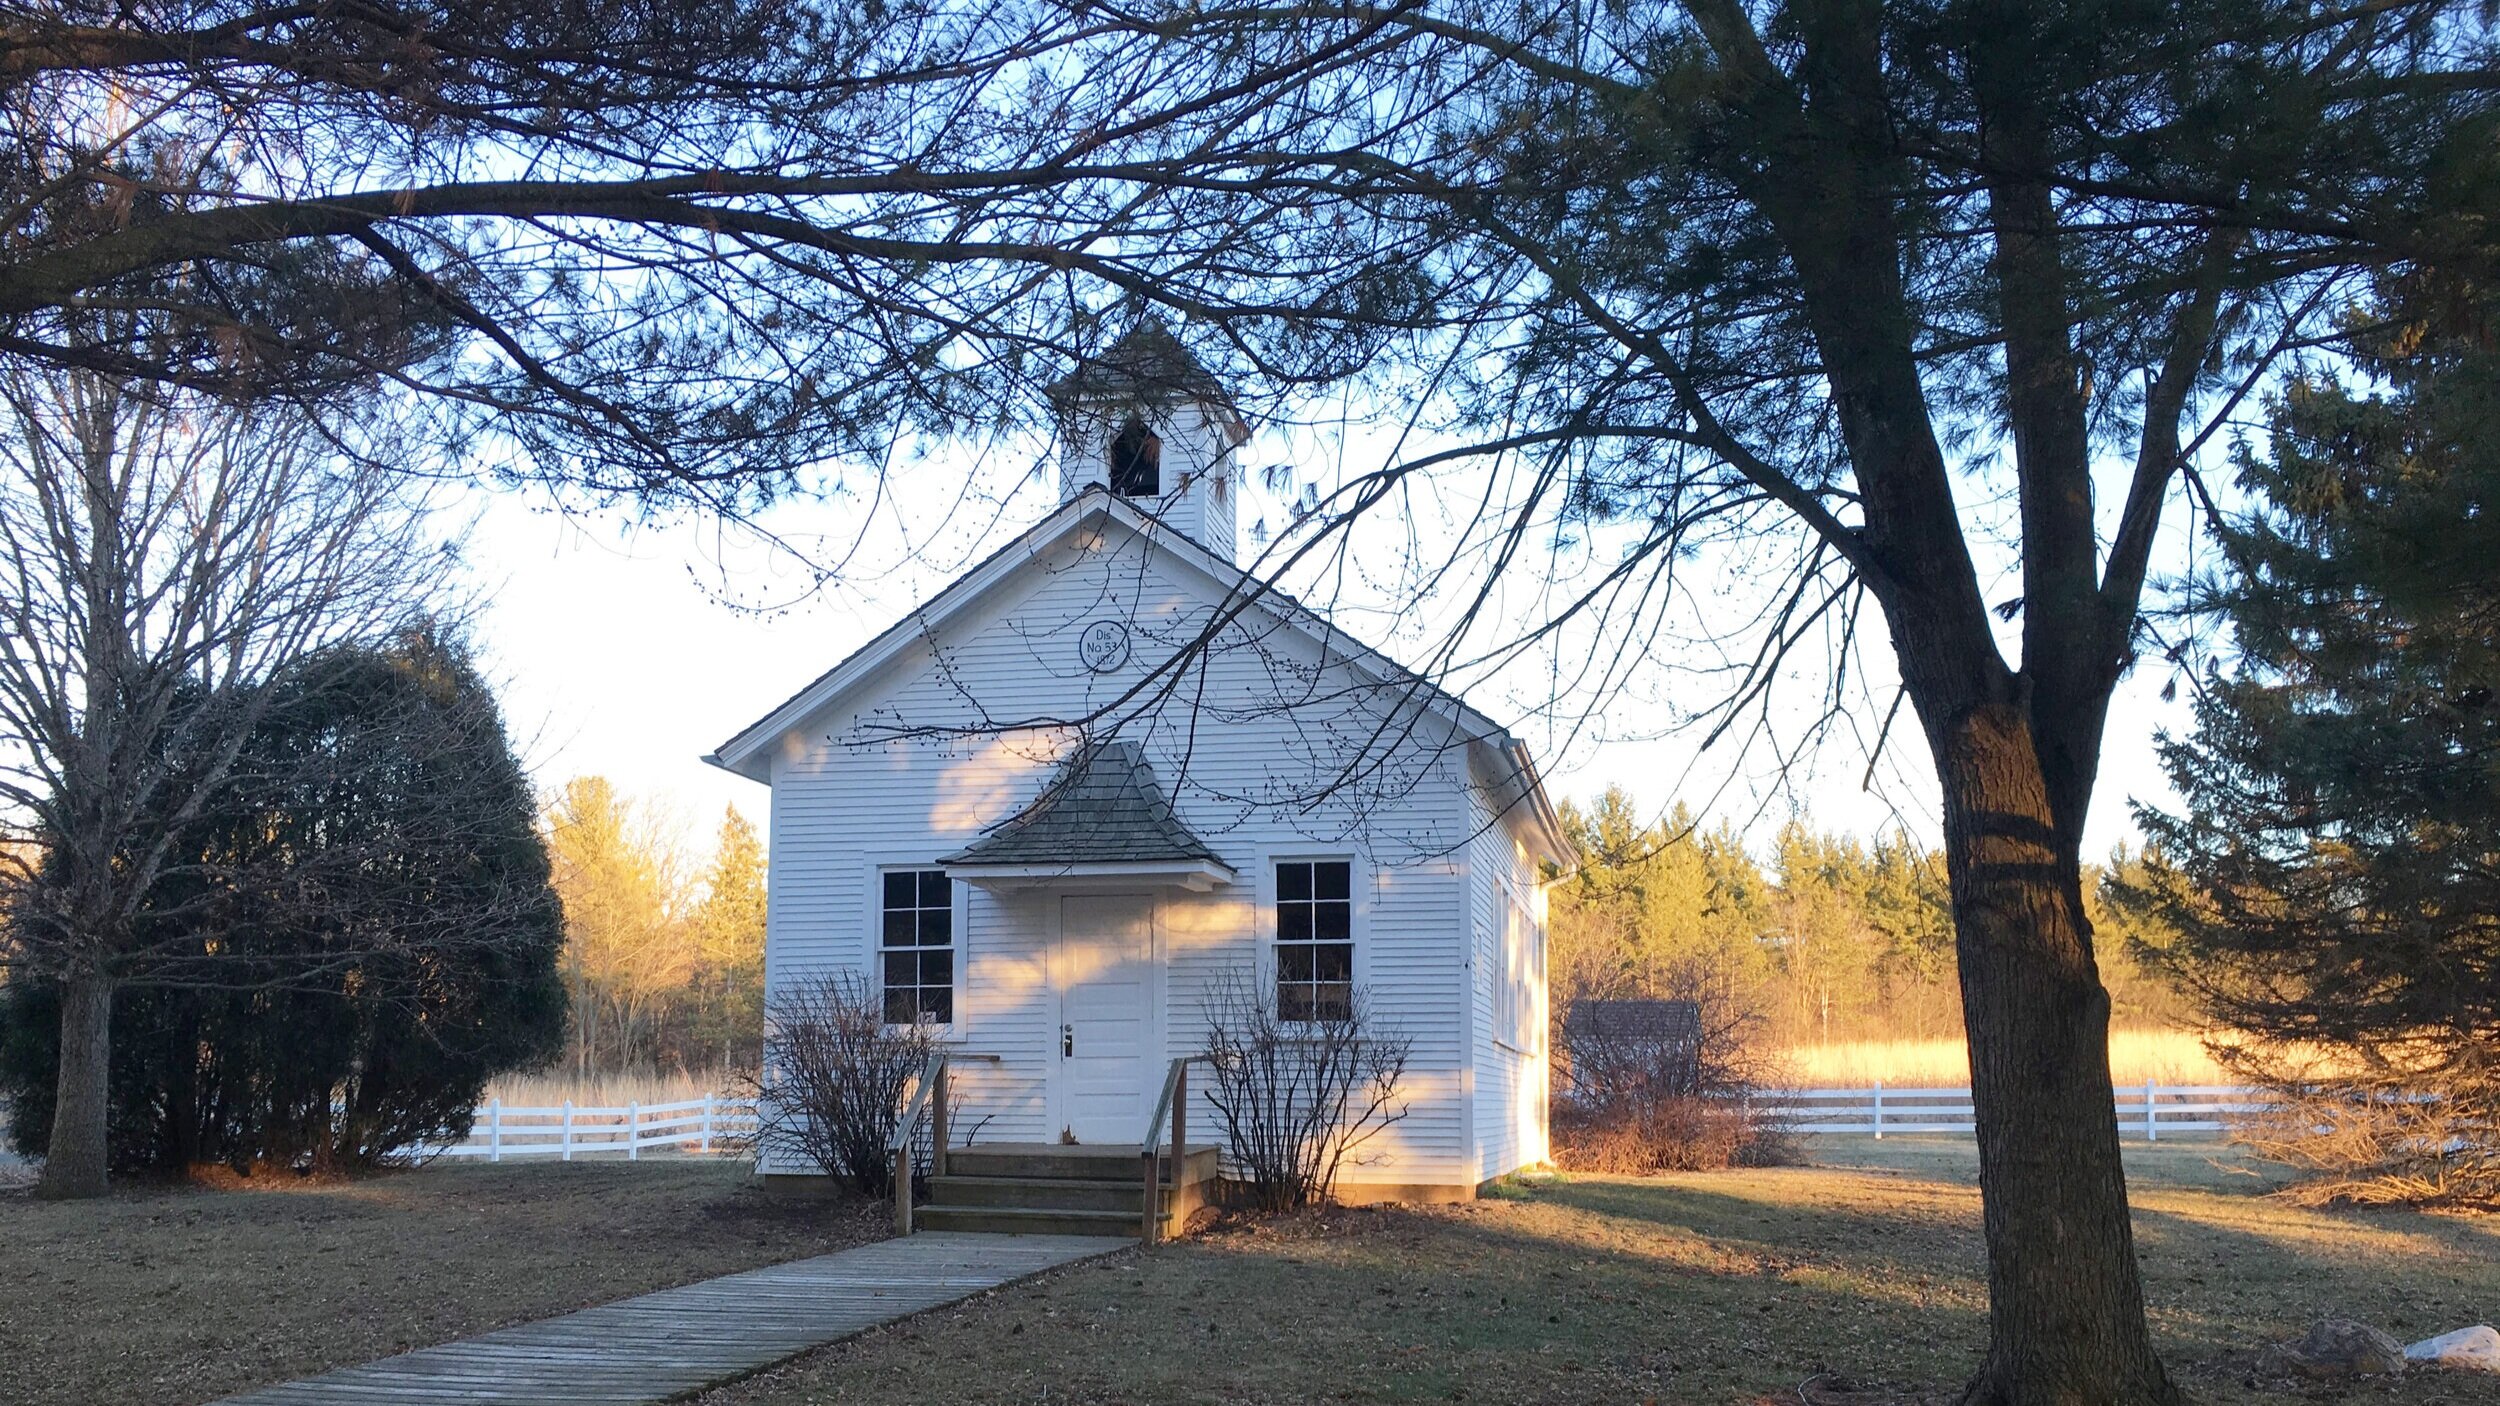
<point>1180,1126</point>
<point>902,1189</point>
<point>937,1120</point>
<point>1152,1222</point>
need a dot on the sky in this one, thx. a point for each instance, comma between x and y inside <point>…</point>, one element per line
<point>630,649</point>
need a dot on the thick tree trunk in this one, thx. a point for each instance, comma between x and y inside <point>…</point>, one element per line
<point>74,1163</point>
<point>2065,1300</point>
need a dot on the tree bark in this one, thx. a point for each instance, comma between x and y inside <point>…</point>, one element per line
<point>74,1163</point>
<point>2065,1297</point>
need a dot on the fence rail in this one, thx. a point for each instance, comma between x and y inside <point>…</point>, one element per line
<point>504,1132</point>
<point>2153,1111</point>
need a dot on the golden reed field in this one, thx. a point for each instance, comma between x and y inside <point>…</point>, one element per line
<point>2163,1056</point>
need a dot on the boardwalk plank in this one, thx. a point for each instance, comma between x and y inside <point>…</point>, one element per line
<point>678,1341</point>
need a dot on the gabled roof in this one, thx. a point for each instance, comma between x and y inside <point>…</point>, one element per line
<point>749,752</point>
<point>1103,806</point>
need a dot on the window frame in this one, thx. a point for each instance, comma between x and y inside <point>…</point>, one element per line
<point>958,945</point>
<point>1519,940</point>
<point>1272,903</point>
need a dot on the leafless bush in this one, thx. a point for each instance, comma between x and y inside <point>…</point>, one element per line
<point>1669,1089</point>
<point>1298,1098</point>
<point>834,1079</point>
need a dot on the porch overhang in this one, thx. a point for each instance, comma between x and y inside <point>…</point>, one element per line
<point>1101,876</point>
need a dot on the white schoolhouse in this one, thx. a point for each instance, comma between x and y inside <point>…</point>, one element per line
<point>1104,772</point>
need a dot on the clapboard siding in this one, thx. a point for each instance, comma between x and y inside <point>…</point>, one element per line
<point>961,731</point>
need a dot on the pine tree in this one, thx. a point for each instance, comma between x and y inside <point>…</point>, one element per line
<point>2335,875</point>
<point>729,933</point>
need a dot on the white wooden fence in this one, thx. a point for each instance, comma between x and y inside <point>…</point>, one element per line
<point>2153,1111</point>
<point>700,1125</point>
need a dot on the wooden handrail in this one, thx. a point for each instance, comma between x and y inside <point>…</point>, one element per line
<point>931,1094</point>
<point>929,1098</point>
<point>1173,1100</point>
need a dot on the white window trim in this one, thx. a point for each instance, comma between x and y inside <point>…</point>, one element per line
<point>872,961</point>
<point>1514,906</point>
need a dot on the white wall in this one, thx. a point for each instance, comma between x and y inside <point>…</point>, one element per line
<point>1511,1083</point>
<point>850,795</point>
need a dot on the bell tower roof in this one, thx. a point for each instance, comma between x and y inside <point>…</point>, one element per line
<point>1147,366</point>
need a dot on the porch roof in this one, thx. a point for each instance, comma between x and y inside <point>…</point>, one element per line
<point>1101,813</point>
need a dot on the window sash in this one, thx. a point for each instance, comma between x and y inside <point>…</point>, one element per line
<point>916,942</point>
<point>1314,940</point>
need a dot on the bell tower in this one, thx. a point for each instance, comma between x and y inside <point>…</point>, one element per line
<point>1146,422</point>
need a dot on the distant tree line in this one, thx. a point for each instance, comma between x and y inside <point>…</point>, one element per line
<point>664,962</point>
<point>1825,937</point>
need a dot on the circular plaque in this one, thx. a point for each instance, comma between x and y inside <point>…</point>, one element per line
<point>1103,646</point>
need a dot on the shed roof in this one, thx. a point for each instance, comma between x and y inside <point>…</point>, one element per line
<point>1668,1022</point>
<point>1102,806</point>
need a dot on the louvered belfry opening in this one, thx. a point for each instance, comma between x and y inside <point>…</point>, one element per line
<point>1137,461</point>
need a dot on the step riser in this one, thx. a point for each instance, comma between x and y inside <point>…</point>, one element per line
<point>998,1220</point>
<point>1037,1195</point>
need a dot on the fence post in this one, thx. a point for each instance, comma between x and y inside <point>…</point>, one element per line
<point>1879,1110</point>
<point>568,1130</point>
<point>707,1123</point>
<point>2152,1114</point>
<point>494,1130</point>
<point>633,1131</point>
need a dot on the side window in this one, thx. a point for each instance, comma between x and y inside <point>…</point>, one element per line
<point>1137,461</point>
<point>1519,958</point>
<point>918,942</point>
<point>1314,939</point>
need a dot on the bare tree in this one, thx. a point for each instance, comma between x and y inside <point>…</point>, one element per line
<point>163,557</point>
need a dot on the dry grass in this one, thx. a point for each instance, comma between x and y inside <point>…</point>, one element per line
<point>2163,1056</point>
<point>178,1295</point>
<point>1691,1288</point>
<point>605,1090</point>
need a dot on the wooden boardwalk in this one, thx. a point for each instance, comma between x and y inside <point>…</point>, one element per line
<point>677,1341</point>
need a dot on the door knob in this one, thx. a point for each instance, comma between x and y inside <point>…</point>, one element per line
<point>1067,1041</point>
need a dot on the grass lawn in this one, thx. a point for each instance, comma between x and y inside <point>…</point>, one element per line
<point>179,1295</point>
<point>1725,1287</point>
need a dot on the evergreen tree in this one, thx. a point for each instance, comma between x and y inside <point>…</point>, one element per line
<point>359,935</point>
<point>2335,875</point>
<point>729,929</point>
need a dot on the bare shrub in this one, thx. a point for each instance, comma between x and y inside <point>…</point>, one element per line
<point>834,1078</point>
<point>1298,1098</point>
<point>1669,1093</point>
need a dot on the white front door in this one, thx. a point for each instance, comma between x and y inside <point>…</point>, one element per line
<point>1103,969</point>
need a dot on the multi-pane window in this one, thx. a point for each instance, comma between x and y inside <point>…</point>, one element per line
<point>918,942</point>
<point>1137,461</point>
<point>1314,939</point>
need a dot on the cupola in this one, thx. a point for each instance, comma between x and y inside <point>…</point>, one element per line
<point>1145,421</point>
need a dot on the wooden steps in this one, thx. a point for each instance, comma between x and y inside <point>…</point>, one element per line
<point>1061,1189</point>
